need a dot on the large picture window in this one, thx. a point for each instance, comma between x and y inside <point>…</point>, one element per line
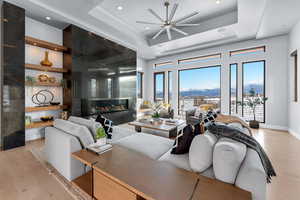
<point>233,88</point>
<point>199,86</point>
<point>159,86</point>
<point>254,80</point>
<point>140,85</point>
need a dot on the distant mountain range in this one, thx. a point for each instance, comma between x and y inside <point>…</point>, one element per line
<point>216,92</point>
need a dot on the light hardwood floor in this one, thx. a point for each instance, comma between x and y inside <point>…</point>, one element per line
<point>23,177</point>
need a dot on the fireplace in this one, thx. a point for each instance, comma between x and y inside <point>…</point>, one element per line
<point>104,106</point>
<point>117,109</point>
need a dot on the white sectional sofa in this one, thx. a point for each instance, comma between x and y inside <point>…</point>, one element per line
<point>63,139</point>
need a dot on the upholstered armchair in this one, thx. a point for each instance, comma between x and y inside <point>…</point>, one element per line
<point>191,118</point>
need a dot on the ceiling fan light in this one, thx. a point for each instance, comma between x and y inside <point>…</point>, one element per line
<point>218,1</point>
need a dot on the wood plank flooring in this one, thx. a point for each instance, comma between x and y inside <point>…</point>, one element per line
<point>23,177</point>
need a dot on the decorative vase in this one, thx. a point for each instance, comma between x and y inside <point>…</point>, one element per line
<point>254,124</point>
<point>46,61</point>
<point>101,141</point>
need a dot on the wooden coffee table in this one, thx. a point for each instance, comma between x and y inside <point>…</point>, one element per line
<point>128,175</point>
<point>171,129</point>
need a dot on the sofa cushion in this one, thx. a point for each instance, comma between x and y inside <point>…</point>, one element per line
<point>90,124</point>
<point>209,172</point>
<point>227,158</point>
<point>183,140</point>
<point>120,133</point>
<point>180,161</point>
<point>149,145</point>
<point>82,133</point>
<point>201,152</point>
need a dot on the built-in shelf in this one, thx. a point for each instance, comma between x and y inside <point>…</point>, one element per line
<point>44,44</point>
<point>44,108</point>
<point>43,84</point>
<point>39,124</point>
<point>45,69</point>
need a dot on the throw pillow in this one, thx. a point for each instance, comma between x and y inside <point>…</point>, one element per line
<point>106,124</point>
<point>183,140</point>
<point>201,152</point>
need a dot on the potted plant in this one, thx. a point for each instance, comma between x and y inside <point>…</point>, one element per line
<point>252,101</point>
<point>101,136</point>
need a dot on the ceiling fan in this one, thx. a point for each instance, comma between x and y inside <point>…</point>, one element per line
<point>168,24</point>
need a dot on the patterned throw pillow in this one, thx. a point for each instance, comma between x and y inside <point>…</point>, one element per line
<point>106,124</point>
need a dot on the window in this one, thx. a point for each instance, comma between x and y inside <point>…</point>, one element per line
<point>199,86</point>
<point>140,84</point>
<point>164,64</point>
<point>199,59</point>
<point>254,50</point>
<point>233,88</point>
<point>170,86</point>
<point>159,86</point>
<point>295,63</point>
<point>254,80</point>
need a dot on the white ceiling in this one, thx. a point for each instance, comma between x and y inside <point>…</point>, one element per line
<point>254,19</point>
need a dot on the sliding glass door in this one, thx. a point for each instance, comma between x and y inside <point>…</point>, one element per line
<point>199,86</point>
<point>254,84</point>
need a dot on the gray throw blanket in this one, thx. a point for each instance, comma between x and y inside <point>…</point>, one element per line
<point>221,130</point>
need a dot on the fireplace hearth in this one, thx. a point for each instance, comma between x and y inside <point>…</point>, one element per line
<point>103,106</point>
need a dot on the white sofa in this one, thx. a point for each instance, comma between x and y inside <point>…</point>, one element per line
<point>60,144</point>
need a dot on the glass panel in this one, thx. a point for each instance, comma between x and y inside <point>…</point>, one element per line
<point>199,86</point>
<point>248,51</point>
<point>233,88</point>
<point>200,59</point>
<point>159,86</point>
<point>140,85</point>
<point>253,80</point>
<point>170,86</point>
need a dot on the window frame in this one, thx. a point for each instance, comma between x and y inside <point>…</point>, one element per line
<point>264,87</point>
<point>169,72</point>
<point>237,90</point>
<point>294,55</point>
<point>141,86</point>
<point>164,79</point>
<point>198,58</point>
<point>178,83</point>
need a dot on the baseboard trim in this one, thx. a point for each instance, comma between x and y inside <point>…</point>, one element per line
<point>275,127</point>
<point>294,133</point>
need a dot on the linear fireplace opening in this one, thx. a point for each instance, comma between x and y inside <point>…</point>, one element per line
<point>104,106</point>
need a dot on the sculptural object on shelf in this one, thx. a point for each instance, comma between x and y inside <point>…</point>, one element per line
<point>46,61</point>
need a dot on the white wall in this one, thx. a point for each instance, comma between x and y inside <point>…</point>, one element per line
<point>276,75</point>
<point>33,55</point>
<point>294,107</point>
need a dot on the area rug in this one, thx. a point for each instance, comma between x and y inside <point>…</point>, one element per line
<point>72,189</point>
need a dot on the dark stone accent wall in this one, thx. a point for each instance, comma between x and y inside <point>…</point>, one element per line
<point>12,71</point>
<point>99,69</point>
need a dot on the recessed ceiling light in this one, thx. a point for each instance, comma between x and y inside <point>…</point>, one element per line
<point>218,1</point>
<point>147,28</point>
<point>48,18</point>
<point>120,7</point>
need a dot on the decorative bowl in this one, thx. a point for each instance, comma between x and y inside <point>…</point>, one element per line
<point>54,103</point>
<point>47,118</point>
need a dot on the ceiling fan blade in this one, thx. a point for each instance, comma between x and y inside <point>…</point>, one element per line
<point>173,11</point>
<point>156,15</point>
<point>179,31</point>
<point>187,24</point>
<point>151,23</point>
<point>169,33</point>
<point>186,17</point>
<point>157,34</point>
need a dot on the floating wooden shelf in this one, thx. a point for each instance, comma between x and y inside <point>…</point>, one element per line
<point>45,69</point>
<point>39,124</point>
<point>44,108</point>
<point>44,44</point>
<point>43,84</point>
